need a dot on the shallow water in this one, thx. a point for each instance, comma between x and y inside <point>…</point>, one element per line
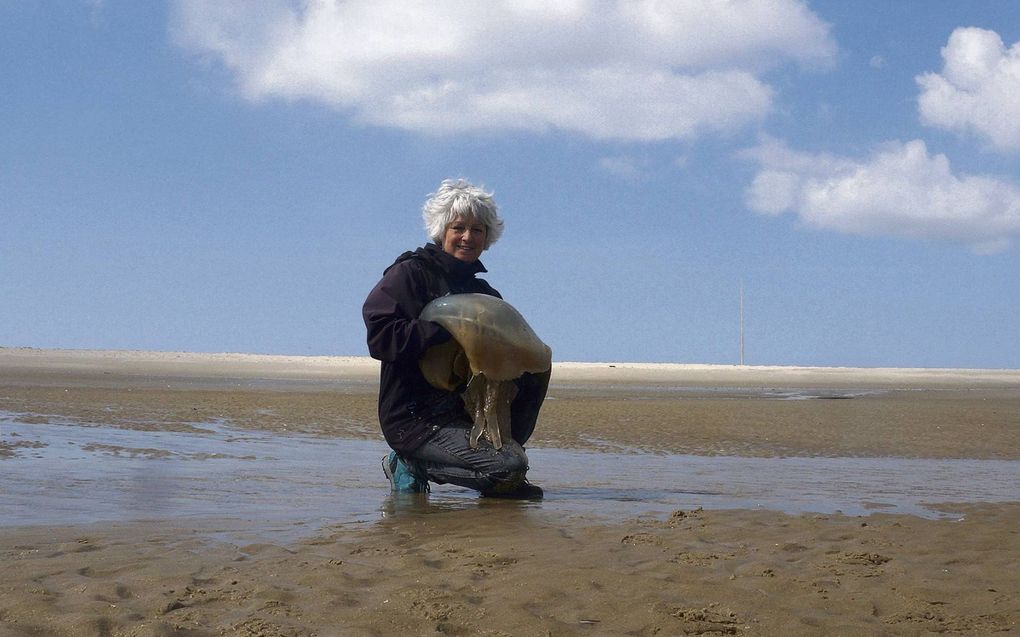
<point>287,486</point>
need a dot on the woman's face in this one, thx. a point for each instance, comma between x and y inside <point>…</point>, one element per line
<point>465,239</point>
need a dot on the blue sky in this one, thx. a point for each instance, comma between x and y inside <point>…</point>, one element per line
<point>234,176</point>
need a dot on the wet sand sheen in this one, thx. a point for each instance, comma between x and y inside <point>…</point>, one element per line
<point>466,566</point>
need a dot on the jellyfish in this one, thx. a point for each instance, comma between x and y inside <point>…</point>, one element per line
<point>492,347</point>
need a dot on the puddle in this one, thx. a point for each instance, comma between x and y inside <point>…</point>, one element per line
<point>288,486</point>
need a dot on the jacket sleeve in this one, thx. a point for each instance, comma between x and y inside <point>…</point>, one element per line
<point>391,316</point>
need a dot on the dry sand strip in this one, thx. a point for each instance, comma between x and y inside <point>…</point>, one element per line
<point>178,369</point>
<point>36,365</point>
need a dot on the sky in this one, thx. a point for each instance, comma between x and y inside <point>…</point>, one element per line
<point>234,176</point>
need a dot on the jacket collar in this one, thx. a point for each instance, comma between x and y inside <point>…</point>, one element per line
<point>449,263</point>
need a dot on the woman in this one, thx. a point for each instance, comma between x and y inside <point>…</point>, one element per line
<point>426,427</point>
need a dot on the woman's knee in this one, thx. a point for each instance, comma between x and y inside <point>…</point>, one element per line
<point>513,459</point>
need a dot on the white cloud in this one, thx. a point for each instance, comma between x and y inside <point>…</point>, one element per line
<point>625,167</point>
<point>977,89</point>
<point>642,70</point>
<point>900,190</point>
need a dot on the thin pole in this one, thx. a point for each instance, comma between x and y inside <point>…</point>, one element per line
<point>741,321</point>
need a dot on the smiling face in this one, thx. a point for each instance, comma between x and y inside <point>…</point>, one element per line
<point>465,239</point>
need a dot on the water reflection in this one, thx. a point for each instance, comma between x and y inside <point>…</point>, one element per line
<point>287,486</point>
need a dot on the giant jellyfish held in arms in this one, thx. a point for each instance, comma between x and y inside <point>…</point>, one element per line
<point>492,347</point>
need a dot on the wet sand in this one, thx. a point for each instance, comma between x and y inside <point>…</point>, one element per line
<point>458,565</point>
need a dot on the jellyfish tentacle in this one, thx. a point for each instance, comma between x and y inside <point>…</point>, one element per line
<point>501,396</point>
<point>474,400</point>
<point>491,417</point>
<point>489,404</point>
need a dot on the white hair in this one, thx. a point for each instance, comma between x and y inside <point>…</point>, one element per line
<point>456,198</point>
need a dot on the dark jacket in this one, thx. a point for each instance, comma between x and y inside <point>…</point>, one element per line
<point>410,408</point>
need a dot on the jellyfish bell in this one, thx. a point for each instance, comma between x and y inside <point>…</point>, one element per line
<point>496,339</point>
<point>493,346</point>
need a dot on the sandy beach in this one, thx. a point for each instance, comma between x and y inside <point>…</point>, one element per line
<point>96,448</point>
